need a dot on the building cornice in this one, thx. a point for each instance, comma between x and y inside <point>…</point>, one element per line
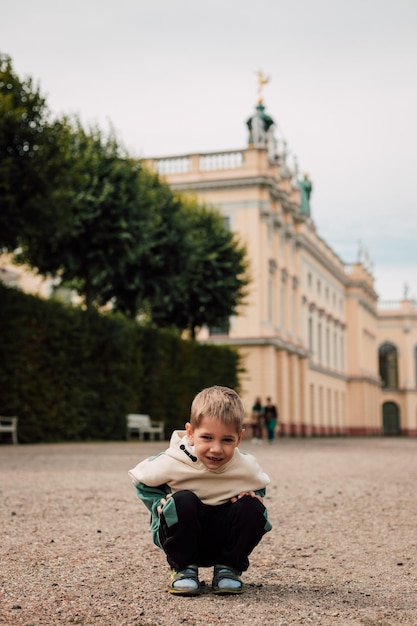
<point>303,242</point>
<point>245,342</point>
<point>364,379</point>
<point>390,392</point>
<point>326,371</point>
<point>362,284</point>
<point>243,183</point>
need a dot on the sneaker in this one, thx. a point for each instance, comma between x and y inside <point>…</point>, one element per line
<point>185,582</point>
<point>226,580</point>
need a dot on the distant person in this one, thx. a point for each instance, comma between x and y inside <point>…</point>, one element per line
<point>205,497</point>
<point>257,422</point>
<point>271,419</point>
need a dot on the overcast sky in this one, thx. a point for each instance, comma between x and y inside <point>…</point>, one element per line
<point>178,76</point>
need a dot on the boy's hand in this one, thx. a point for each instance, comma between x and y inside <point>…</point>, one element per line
<point>252,494</point>
<point>163,501</point>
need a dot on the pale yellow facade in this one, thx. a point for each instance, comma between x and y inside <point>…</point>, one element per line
<point>310,331</point>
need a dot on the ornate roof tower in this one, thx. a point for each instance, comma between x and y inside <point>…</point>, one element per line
<point>260,124</point>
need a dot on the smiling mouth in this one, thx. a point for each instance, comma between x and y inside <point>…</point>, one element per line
<point>214,459</point>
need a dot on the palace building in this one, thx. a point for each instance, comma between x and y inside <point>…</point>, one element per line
<point>312,334</point>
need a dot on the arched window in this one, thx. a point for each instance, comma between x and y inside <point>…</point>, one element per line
<point>388,365</point>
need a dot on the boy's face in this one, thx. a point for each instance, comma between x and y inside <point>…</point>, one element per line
<point>214,442</point>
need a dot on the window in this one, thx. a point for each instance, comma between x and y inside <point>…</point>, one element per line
<point>319,346</point>
<point>293,310</point>
<point>327,345</point>
<point>310,333</point>
<point>219,330</point>
<point>282,321</point>
<point>388,365</point>
<point>269,231</point>
<point>270,298</point>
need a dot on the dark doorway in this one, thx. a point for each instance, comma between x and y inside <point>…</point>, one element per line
<point>391,419</point>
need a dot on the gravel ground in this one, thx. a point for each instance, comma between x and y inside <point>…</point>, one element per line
<point>75,546</point>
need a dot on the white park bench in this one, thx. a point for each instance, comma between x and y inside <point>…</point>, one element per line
<point>143,425</point>
<point>9,425</point>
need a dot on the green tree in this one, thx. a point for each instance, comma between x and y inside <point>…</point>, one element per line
<point>157,253</point>
<point>125,241</point>
<point>107,220</point>
<point>32,162</point>
<point>214,277</point>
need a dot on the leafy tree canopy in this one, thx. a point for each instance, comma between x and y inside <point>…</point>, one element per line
<point>32,161</point>
<point>214,277</point>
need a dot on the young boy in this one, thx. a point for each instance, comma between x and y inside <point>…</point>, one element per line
<point>205,496</point>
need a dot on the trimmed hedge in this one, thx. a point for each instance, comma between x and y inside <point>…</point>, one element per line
<point>73,375</point>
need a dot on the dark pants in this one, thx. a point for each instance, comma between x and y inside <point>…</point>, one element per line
<point>270,429</point>
<point>191,532</point>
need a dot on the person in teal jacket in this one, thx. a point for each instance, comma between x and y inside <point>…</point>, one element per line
<point>271,419</point>
<point>205,496</point>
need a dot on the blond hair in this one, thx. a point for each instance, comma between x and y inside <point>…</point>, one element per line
<point>220,403</point>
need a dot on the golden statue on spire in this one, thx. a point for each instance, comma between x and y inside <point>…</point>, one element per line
<point>262,80</point>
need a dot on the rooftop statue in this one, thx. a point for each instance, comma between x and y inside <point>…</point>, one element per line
<point>305,192</point>
<point>262,80</point>
<point>260,122</point>
<point>259,125</point>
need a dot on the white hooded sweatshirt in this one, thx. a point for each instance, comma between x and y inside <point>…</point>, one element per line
<point>179,468</point>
